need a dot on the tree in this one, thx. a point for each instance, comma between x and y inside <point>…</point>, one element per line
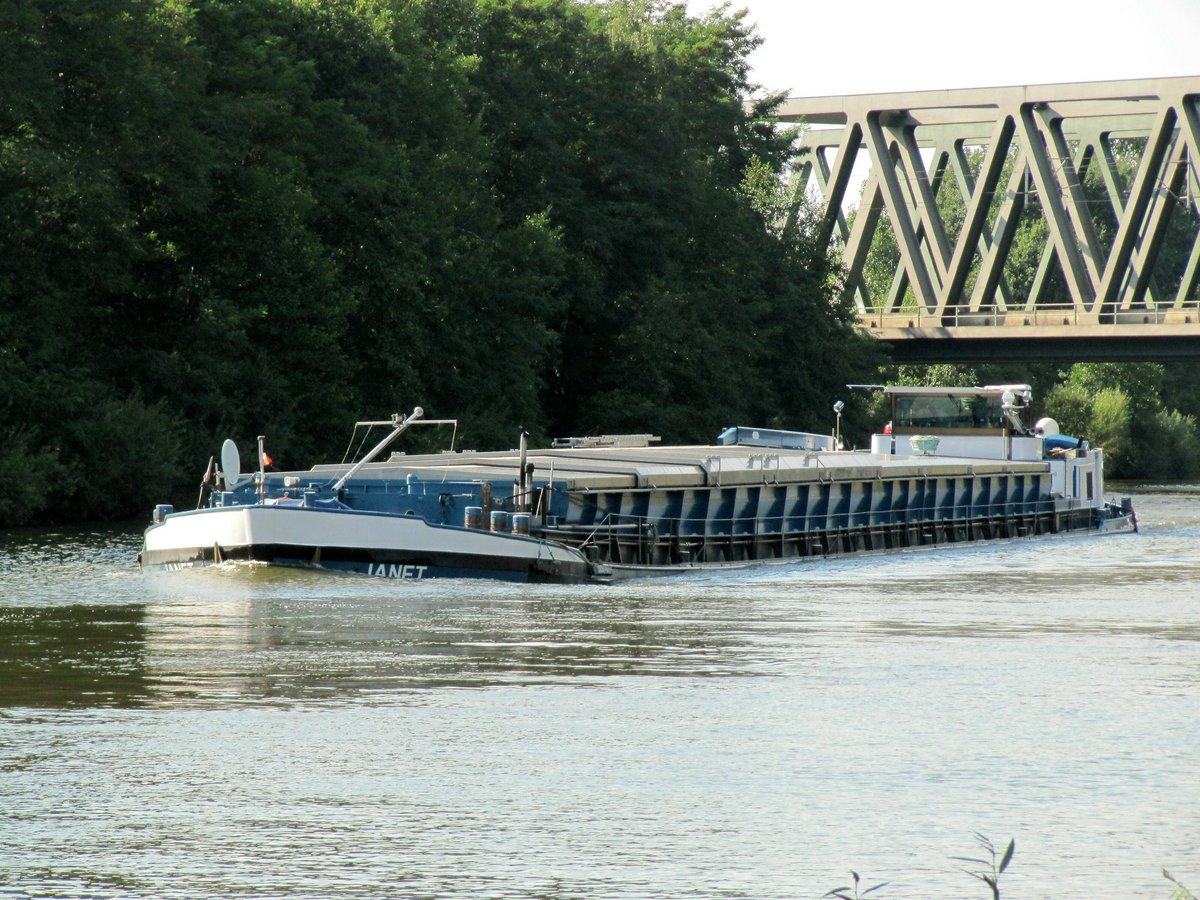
<point>686,307</point>
<point>1119,407</point>
<point>277,216</point>
<point>91,92</point>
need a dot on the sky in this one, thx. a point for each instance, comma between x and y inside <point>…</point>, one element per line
<point>872,46</point>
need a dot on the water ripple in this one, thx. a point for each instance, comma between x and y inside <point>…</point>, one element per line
<point>757,733</point>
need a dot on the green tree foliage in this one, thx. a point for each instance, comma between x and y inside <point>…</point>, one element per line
<point>1102,417</point>
<point>1119,407</point>
<point>624,123</point>
<point>90,90</point>
<point>276,216</point>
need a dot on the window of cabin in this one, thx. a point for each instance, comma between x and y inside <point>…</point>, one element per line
<point>947,412</point>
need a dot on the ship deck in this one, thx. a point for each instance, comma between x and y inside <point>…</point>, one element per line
<point>625,468</point>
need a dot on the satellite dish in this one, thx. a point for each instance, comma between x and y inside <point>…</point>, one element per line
<point>231,464</point>
<point>1046,427</point>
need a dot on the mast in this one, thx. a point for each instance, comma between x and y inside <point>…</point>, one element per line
<point>401,426</point>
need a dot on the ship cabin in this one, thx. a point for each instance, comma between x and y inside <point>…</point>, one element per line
<point>990,422</point>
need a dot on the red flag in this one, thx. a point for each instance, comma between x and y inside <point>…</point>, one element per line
<point>266,460</point>
<point>208,473</point>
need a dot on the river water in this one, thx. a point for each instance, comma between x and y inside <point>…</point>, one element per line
<point>242,732</point>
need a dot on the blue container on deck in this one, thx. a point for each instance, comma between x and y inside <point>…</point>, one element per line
<point>1063,442</point>
<point>474,517</point>
<point>499,520</point>
<point>742,436</point>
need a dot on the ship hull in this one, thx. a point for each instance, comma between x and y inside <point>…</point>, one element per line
<point>875,540</point>
<point>405,548</point>
<point>366,543</point>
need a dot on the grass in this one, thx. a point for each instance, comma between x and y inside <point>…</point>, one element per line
<point>987,868</point>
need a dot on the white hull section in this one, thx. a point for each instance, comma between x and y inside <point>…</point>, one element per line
<point>372,543</point>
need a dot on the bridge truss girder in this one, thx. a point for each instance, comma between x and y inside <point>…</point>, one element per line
<point>1013,154</point>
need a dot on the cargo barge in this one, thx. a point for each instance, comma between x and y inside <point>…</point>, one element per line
<point>953,465</point>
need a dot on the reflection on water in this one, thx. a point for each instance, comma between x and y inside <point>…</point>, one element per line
<point>83,627</point>
<point>64,564</point>
<point>248,634</point>
<point>350,640</point>
<point>72,655</point>
<point>258,732</point>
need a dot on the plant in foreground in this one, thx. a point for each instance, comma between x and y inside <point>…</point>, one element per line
<point>844,893</point>
<point>1181,893</point>
<point>992,868</point>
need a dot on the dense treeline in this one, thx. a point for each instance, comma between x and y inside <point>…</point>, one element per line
<point>233,217</point>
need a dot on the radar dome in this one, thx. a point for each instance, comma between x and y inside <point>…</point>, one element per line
<point>1046,427</point>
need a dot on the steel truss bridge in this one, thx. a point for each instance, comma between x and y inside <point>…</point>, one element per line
<point>1037,222</point>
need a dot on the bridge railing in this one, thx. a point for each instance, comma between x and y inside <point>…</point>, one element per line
<point>1053,315</point>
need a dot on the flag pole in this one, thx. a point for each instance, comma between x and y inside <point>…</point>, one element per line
<point>205,480</point>
<point>262,476</point>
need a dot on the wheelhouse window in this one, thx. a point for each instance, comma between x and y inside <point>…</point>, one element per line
<point>929,412</point>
